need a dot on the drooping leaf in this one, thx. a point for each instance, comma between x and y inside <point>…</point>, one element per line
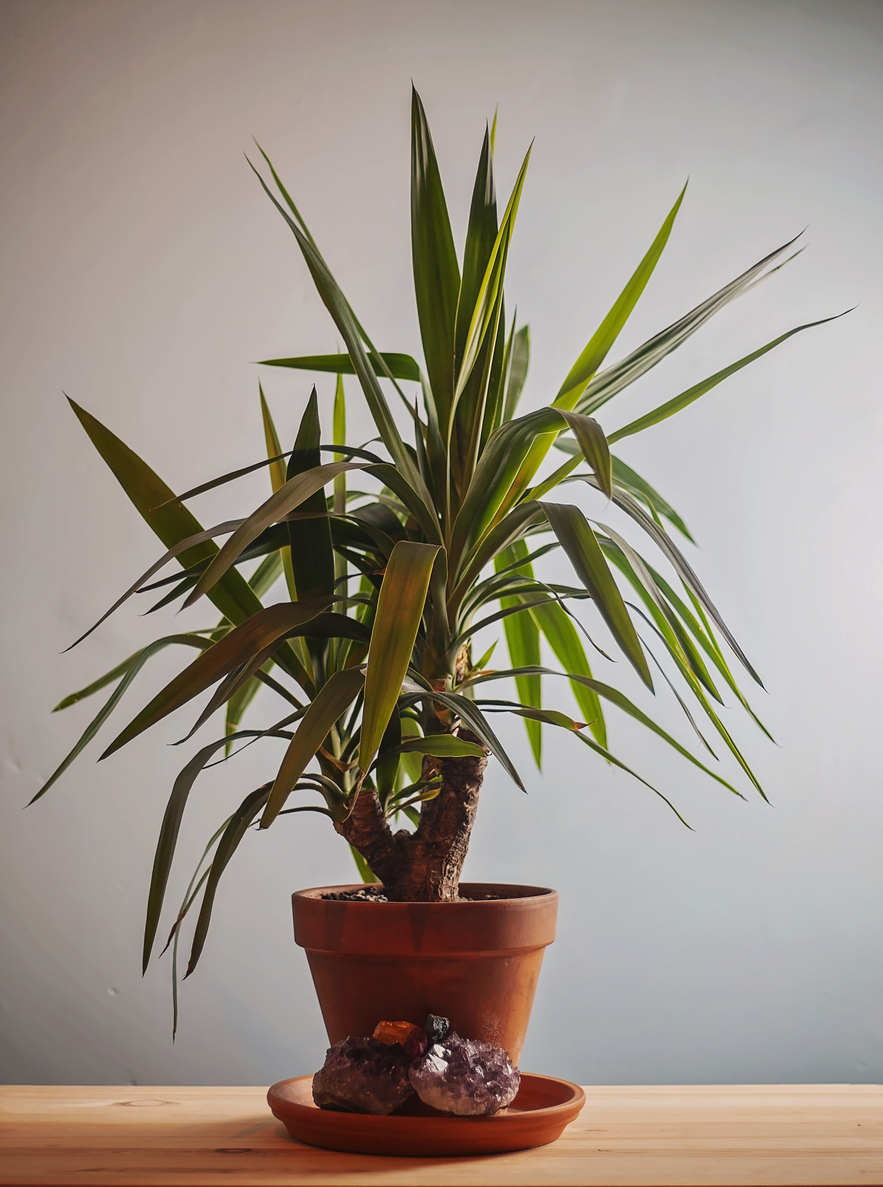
<point>236,648</point>
<point>523,641</point>
<point>579,542</point>
<point>132,667</point>
<point>563,637</point>
<point>227,846</point>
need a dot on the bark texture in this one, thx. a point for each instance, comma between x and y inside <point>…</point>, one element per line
<point>423,866</point>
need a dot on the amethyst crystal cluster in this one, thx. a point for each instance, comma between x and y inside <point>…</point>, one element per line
<point>378,1074</point>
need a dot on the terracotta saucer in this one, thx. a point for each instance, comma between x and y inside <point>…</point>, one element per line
<point>537,1116</point>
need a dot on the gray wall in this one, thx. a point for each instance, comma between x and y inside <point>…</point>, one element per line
<point>143,270</point>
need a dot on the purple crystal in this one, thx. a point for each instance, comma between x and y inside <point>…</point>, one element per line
<point>363,1076</point>
<point>466,1077</point>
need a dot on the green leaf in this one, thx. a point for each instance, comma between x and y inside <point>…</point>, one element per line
<point>396,622</point>
<point>365,872</point>
<point>486,305</point>
<point>331,701</point>
<point>236,648</point>
<point>352,334</point>
<point>626,477</point>
<point>601,341</point>
<point>523,641</point>
<point>132,667</point>
<point>97,685</point>
<point>436,275</point>
<point>312,557</point>
<point>620,375</point>
<point>287,499</point>
<point>517,371</point>
<point>402,366</point>
<point>615,697</point>
<point>579,542</point>
<point>169,520</point>
<point>672,406</point>
<point>227,846</point>
<point>168,836</point>
<point>552,717</point>
<point>664,542</point>
<point>481,234</point>
<point>277,481</point>
<point>475,722</point>
<point>593,443</point>
<point>440,746</point>
<point>563,637</point>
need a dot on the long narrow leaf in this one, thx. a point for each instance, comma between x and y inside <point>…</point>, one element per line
<point>396,622</point>
<point>332,700</point>
<point>579,542</point>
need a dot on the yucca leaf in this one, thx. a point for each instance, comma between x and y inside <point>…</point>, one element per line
<point>601,341</point>
<point>579,542</point>
<point>236,648</point>
<point>436,274</point>
<point>345,320</point>
<point>481,234</point>
<point>670,407</point>
<point>227,846</point>
<point>523,641</point>
<point>678,641</point>
<point>396,622</point>
<point>489,290</point>
<point>552,717</point>
<point>168,836</point>
<point>619,376</point>
<point>277,481</point>
<point>440,746</point>
<point>133,666</point>
<point>169,520</point>
<point>595,450</point>
<point>323,712</point>
<point>615,697</point>
<point>288,498</point>
<point>475,722</point>
<point>402,366</point>
<point>97,685</point>
<point>517,372</point>
<point>562,636</point>
<point>312,558</point>
<point>664,542</point>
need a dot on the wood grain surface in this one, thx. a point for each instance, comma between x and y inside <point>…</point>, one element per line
<point>768,1134</point>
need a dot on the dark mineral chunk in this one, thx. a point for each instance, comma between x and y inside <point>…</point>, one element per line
<point>466,1077</point>
<point>436,1027</point>
<point>362,1075</point>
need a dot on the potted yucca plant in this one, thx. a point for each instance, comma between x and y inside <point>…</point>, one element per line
<point>392,558</point>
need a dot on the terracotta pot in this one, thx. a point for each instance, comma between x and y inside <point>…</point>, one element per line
<point>476,961</point>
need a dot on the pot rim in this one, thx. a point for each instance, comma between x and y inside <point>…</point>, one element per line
<point>520,893</point>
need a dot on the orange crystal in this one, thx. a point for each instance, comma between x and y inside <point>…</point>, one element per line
<point>394,1032</point>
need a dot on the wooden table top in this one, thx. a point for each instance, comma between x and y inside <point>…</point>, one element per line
<point>141,1136</point>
